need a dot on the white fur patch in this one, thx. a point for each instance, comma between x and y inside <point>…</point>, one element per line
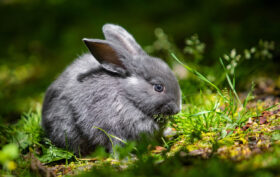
<point>180,100</point>
<point>180,104</point>
<point>168,131</point>
<point>119,106</point>
<point>133,80</point>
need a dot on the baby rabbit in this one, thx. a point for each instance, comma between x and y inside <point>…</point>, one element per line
<point>118,88</point>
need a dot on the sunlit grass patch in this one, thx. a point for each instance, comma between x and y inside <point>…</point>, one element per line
<point>209,121</point>
<point>208,112</point>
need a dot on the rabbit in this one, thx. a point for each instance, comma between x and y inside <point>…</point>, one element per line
<point>117,88</point>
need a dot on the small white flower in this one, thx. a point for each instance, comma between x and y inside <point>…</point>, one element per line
<point>238,57</point>
<point>233,53</point>
<point>247,54</point>
<point>228,67</point>
<point>253,50</point>
<point>226,57</point>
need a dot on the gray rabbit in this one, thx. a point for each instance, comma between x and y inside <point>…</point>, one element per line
<point>118,88</point>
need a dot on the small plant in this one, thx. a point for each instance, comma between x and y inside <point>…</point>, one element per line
<point>262,51</point>
<point>28,131</point>
<point>52,153</point>
<point>233,60</point>
<point>162,42</point>
<point>194,47</point>
<point>162,45</point>
<point>28,135</point>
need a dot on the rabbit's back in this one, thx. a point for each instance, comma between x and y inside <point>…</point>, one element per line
<point>58,110</point>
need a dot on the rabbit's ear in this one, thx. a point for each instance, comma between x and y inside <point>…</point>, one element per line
<point>108,55</point>
<point>120,36</point>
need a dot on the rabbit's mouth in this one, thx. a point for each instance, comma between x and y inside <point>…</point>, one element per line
<point>161,118</point>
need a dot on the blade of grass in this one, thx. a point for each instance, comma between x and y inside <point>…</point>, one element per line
<point>271,107</point>
<point>230,83</point>
<point>248,95</point>
<point>199,113</point>
<point>200,76</point>
<point>110,139</point>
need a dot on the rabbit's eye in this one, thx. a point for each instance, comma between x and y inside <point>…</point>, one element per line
<point>158,87</point>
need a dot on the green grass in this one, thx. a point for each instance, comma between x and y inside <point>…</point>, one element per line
<point>213,112</point>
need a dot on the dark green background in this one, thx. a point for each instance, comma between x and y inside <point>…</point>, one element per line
<point>39,38</point>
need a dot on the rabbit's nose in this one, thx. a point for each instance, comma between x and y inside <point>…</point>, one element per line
<point>170,109</point>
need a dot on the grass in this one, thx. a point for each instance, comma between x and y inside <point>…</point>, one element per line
<point>206,116</point>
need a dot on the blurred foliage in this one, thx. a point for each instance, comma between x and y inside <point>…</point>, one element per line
<point>195,48</point>
<point>9,153</point>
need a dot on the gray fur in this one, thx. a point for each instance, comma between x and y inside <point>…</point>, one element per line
<point>111,89</point>
<point>120,36</point>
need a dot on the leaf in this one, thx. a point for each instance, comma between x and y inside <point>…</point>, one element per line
<point>9,152</point>
<point>275,136</point>
<point>158,149</point>
<point>230,83</point>
<point>223,133</point>
<point>53,153</point>
<point>200,113</point>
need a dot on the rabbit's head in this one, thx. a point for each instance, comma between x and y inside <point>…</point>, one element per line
<point>147,82</point>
